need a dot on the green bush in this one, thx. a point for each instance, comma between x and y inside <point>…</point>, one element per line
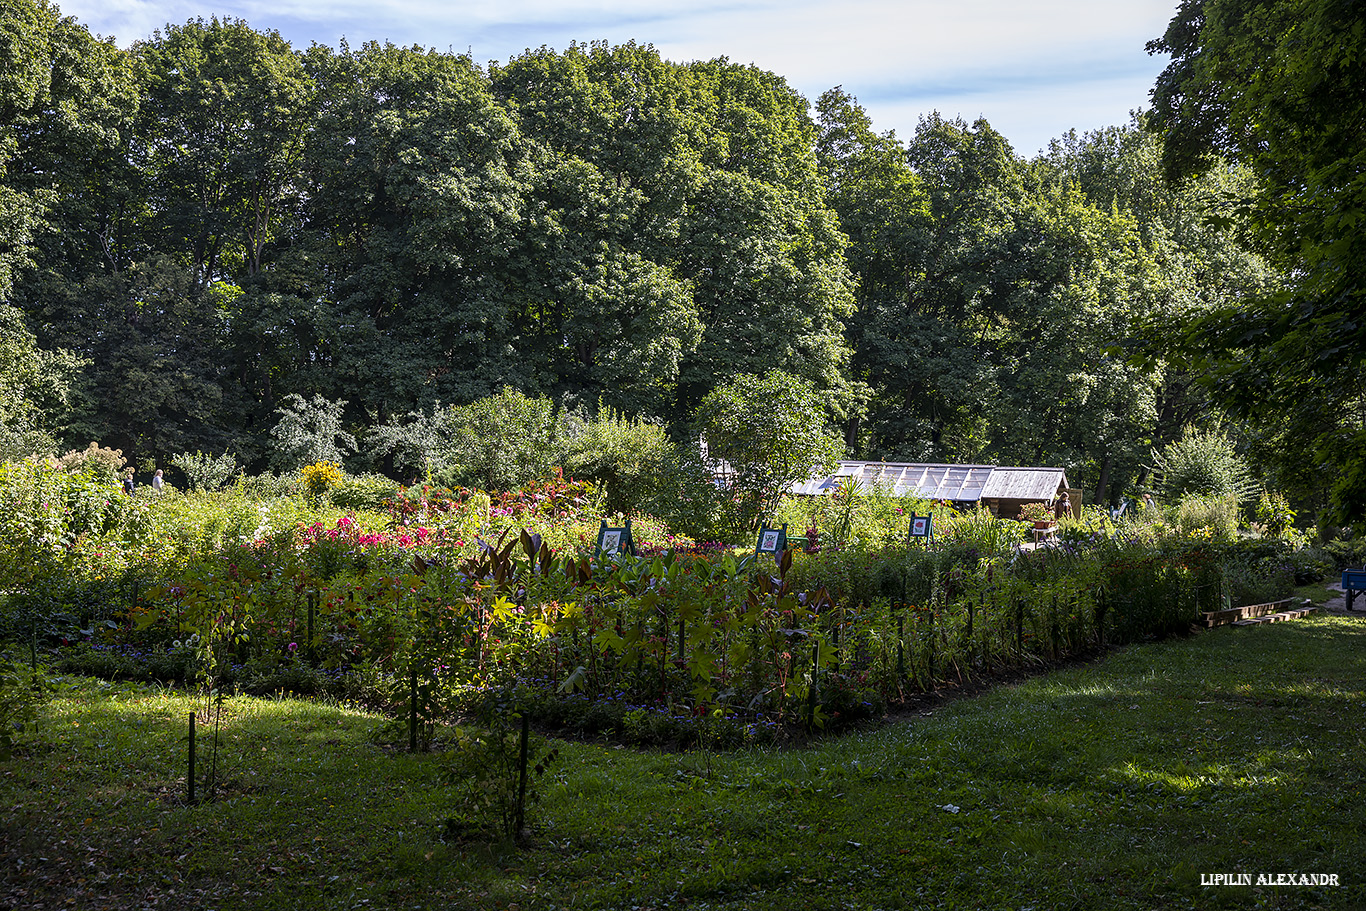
<point>23,691</point>
<point>503,442</point>
<point>1203,464</point>
<point>94,462</point>
<point>1218,514</point>
<point>772,430</point>
<point>207,472</point>
<point>633,459</point>
<point>1346,553</point>
<point>1274,514</point>
<point>1259,581</point>
<point>368,491</point>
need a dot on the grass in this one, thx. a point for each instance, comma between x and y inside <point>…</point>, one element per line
<point>1113,785</point>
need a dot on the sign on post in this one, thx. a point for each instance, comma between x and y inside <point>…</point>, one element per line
<point>922,527</point>
<point>772,541</point>
<point>615,541</point>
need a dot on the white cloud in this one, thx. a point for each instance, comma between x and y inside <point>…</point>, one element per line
<point>1032,69</point>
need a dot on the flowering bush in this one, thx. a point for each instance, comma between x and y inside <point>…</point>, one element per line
<point>320,477</point>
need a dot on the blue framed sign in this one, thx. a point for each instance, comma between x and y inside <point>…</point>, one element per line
<point>922,527</point>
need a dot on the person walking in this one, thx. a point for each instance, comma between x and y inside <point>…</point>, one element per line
<point>128,483</point>
<point>157,483</point>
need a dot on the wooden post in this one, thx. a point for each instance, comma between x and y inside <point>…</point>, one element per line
<point>189,779</point>
<point>412,715</point>
<point>900,648</point>
<point>811,690</point>
<point>521,776</point>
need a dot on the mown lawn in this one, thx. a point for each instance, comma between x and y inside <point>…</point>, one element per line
<point>1113,785</point>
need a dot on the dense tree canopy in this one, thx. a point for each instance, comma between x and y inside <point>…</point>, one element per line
<point>1279,85</point>
<point>213,231</point>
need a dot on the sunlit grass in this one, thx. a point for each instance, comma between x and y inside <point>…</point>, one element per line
<point>1112,785</point>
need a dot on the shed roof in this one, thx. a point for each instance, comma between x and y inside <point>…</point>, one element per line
<point>1025,483</point>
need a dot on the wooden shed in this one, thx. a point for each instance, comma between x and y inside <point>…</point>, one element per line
<point>1008,489</point>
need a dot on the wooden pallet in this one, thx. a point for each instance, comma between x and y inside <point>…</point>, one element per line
<point>1277,617</point>
<point>1248,612</point>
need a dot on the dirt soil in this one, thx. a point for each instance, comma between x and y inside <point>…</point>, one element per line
<point>1338,604</point>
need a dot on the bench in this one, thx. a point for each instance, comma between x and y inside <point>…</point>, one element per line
<point>1353,583</point>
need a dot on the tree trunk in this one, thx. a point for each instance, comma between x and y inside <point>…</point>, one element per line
<point>1104,481</point>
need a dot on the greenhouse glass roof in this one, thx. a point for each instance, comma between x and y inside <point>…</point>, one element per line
<point>960,483</point>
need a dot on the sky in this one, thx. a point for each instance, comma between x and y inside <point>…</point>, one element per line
<point>1033,69</point>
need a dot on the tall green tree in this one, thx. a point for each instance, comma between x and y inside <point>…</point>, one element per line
<point>762,249</point>
<point>65,103</point>
<point>1278,84</point>
<point>220,137</point>
<point>772,430</point>
<point>417,194</point>
<point>66,100</point>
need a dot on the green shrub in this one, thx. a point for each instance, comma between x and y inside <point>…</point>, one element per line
<point>267,486</point>
<point>1259,581</point>
<point>1274,514</point>
<point>23,691</point>
<point>484,768</point>
<point>1203,464</point>
<point>1346,553</point>
<point>979,530</point>
<point>633,459</point>
<point>95,462</point>
<point>773,432</point>
<point>207,472</point>
<point>503,442</point>
<point>368,491</point>
<point>309,432</point>
<point>1218,514</point>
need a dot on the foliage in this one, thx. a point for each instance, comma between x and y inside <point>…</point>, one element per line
<point>1211,514</point>
<point>1277,85</point>
<point>37,386</point>
<point>1203,464</point>
<point>95,462</point>
<point>978,531</point>
<point>869,516</point>
<point>207,472</point>
<point>23,691</point>
<point>1346,553</point>
<point>592,226</point>
<point>504,441</point>
<point>49,518</point>
<point>633,460</point>
<point>1274,513</point>
<point>321,477</point>
<point>310,432</point>
<point>419,445</point>
<point>770,429</point>
<point>367,492</point>
<point>484,767</point>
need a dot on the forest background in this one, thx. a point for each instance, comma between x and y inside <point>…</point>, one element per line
<point>213,237</point>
